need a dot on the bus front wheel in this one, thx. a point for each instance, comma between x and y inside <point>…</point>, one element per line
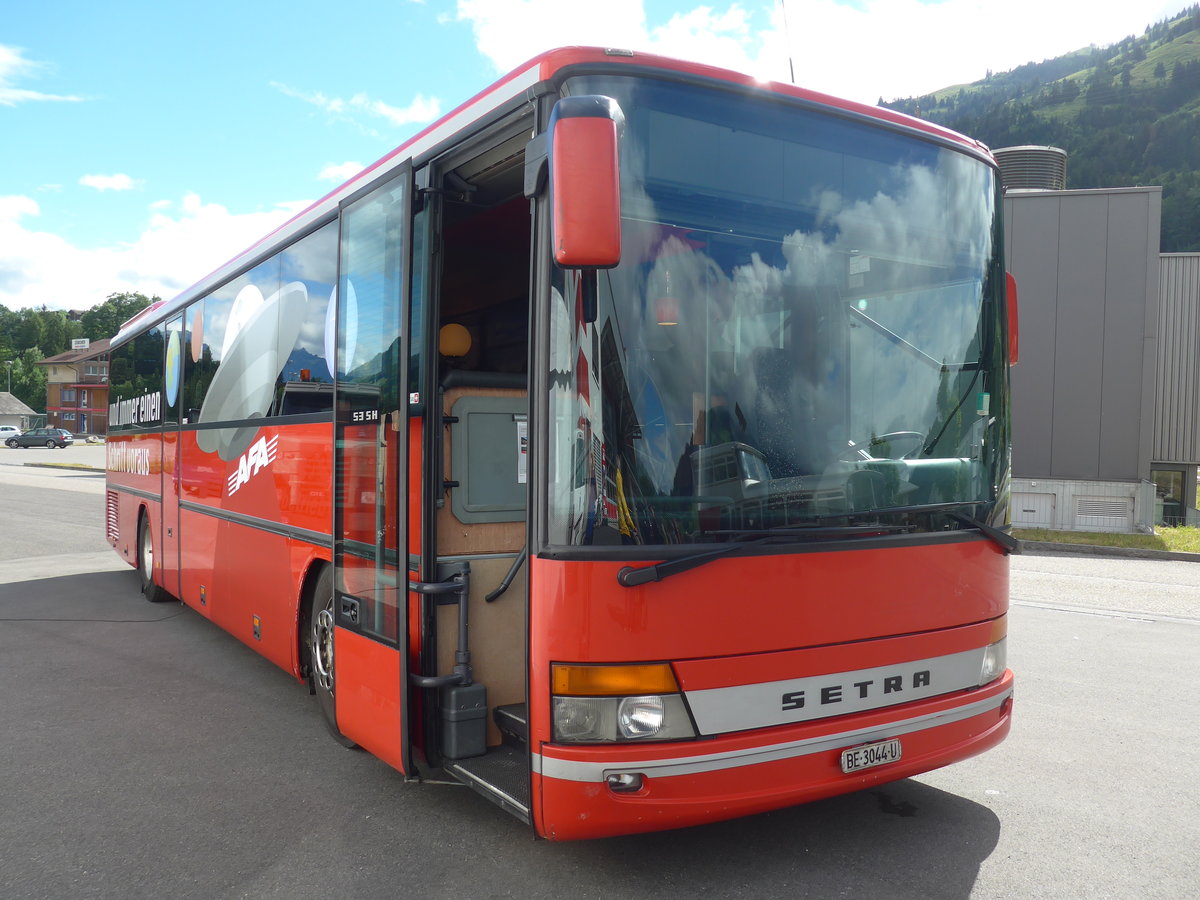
<point>319,643</point>
<point>145,561</point>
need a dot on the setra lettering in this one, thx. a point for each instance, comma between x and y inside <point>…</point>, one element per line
<point>833,693</point>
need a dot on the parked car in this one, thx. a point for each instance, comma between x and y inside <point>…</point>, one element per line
<point>42,437</point>
<point>8,431</point>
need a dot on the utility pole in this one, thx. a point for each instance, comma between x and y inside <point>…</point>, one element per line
<point>9,362</point>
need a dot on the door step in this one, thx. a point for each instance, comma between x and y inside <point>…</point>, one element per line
<point>501,775</point>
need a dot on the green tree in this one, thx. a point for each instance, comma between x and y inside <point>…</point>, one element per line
<point>8,322</point>
<point>103,321</point>
<point>29,379</point>
<point>29,331</point>
<point>57,331</point>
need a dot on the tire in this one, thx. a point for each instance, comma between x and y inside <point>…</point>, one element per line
<point>318,645</point>
<point>12,443</point>
<point>50,445</point>
<point>145,563</point>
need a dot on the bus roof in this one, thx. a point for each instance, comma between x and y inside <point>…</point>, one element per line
<point>542,68</point>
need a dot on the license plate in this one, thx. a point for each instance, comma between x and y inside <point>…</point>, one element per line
<point>870,755</point>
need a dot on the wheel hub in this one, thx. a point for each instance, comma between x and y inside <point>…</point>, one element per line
<point>323,649</point>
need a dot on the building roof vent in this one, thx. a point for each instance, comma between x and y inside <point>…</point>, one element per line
<point>1032,168</point>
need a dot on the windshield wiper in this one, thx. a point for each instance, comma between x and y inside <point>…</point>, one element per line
<point>864,529</point>
<point>954,510</point>
<point>629,576</point>
<point>1007,542</point>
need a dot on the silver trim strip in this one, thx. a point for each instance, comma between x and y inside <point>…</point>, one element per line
<point>137,492</point>
<point>288,531</point>
<point>744,706</point>
<point>572,770</point>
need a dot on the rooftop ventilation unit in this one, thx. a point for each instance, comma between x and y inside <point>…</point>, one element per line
<point>1032,168</point>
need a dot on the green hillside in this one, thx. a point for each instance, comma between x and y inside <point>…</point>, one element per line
<point>1128,114</point>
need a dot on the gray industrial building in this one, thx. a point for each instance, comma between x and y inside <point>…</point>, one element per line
<point>1087,270</point>
<point>1176,454</point>
<point>1106,422</point>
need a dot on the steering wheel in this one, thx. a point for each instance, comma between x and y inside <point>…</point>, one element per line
<point>864,451</point>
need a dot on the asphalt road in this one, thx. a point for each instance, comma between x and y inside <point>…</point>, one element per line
<point>144,753</point>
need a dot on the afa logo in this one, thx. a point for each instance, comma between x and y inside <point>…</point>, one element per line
<point>260,455</point>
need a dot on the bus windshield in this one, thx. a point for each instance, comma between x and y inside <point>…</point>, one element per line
<point>805,329</point>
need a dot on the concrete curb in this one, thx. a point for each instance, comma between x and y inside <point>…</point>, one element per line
<point>1046,548</point>
<point>70,467</point>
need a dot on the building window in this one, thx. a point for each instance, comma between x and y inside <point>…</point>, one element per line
<point>68,395</point>
<point>68,417</point>
<point>83,398</point>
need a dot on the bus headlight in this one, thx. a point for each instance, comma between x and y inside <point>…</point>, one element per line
<point>639,717</point>
<point>995,661</point>
<point>592,704</point>
<point>606,719</point>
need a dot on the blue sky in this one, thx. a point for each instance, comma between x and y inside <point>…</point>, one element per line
<point>144,143</point>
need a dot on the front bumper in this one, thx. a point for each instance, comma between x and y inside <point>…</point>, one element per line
<point>693,782</point>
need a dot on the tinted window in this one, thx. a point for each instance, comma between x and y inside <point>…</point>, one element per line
<point>135,382</point>
<point>257,346</point>
<point>802,328</point>
<point>304,383</point>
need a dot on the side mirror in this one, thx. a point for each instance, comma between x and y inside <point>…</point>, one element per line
<point>585,182</point>
<point>1014,332</point>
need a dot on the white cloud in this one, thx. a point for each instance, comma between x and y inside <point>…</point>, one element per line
<point>724,38</point>
<point>13,207</point>
<point>861,50</point>
<point>182,242</point>
<point>896,48</point>
<point>340,172</point>
<point>116,182</point>
<point>422,109</point>
<point>14,67</point>
<point>508,32</point>
<point>899,48</point>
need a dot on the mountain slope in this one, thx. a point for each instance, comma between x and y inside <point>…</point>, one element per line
<point>1126,114</point>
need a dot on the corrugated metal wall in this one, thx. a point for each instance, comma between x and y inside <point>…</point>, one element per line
<point>1177,381</point>
<point>1087,271</point>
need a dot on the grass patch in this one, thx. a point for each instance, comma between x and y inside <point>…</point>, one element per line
<point>1181,539</point>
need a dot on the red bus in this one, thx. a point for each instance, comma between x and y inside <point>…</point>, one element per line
<point>631,445</point>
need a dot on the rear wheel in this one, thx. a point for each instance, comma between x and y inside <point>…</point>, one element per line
<point>319,644</point>
<point>50,445</point>
<point>145,561</point>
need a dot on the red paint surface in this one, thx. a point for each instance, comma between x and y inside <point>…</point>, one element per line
<point>367,690</point>
<point>742,621</point>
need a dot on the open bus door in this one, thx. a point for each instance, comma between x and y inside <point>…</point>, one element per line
<point>366,627</point>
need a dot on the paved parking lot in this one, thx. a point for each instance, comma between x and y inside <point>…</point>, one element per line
<point>90,455</point>
<point>146,753</point>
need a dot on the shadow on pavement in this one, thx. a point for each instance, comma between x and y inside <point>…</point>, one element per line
<point>144,751</point>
